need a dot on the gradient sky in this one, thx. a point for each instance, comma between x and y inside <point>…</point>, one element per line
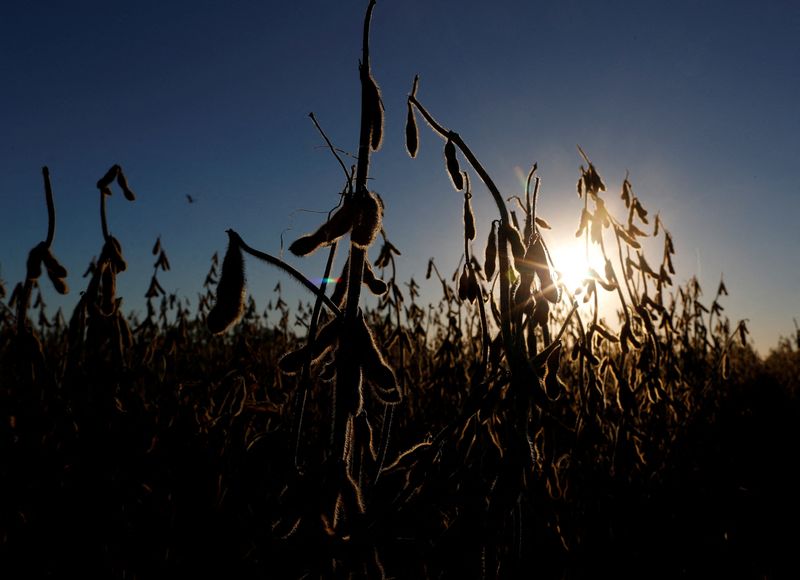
<point>698,100</point>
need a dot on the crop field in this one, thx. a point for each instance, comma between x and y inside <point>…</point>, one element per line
<point>508,430</point>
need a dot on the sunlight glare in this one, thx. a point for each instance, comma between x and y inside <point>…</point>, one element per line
<point>571,263</point>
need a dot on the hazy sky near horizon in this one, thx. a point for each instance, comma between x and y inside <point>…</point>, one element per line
<point>696,99</point>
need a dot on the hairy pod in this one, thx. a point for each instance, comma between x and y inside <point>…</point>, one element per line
<point>640,211</point>
<point>369,219</point>
<point>491,254</point>
<point>338,225</point>
<point>374,106</point>
<point>155,289</point>
<point>34,263</point>
<point>375,285</point>
<point>522,295</point>
<point>54,267</point>
<point>743,332</point>
<point>162,262</point>
<point>541,312</point>
<point>627,193</point>
<point>628,238</point>
<point>326,338</point>
<point>517,247</point>
<point>469,218</point>
<point>106,180</point>
<point>412,133</point>
<point>230,290</point>
<point>112,252</point>
<point>473,288</point>
<point>627,339</point>
<point>123,184</point>
<point>377,372</point>
<point>538,258</point>
<point>604,332</point>
<point>463,283</point>
<point>58,283</point>
<point>452,165</point>
<point>553,386</point>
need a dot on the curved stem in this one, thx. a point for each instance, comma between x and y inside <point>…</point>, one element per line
<point>458,142</point>
<point>289,270</point>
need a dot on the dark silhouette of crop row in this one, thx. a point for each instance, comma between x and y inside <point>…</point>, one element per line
<point>506,431</point>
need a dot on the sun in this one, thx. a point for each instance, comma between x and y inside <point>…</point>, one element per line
<point>572,264</point>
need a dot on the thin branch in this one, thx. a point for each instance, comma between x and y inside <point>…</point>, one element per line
<point>333,150</point>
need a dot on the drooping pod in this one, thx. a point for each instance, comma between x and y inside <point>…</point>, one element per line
<point>55,271</point>
<point>491,254</point>
<point>105,181</point>
<point>412,133</point>
<point>230,290</point>
<point>374,108</point>
<point>452,165</point>
<point>541,312</point>
<point>469,217</point>
<point>553,385</point>
<point>517,247</point>
<point>338,225</point>
<point>537,257</point>
<point>463,284</point>
<point>377,371</point>
<point>53,266</point>
<point>34,263</point>
<point>326,338</point>
<point>473,288</point>
<point>375,284</point>
<point>123,184</point>
<point>368,221</point>
<point>112,252</point>
<point>58,283</point>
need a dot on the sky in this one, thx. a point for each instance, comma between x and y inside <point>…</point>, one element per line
<point>697,100</point>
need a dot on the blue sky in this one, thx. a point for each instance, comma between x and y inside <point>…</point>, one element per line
<point>698,100</point>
